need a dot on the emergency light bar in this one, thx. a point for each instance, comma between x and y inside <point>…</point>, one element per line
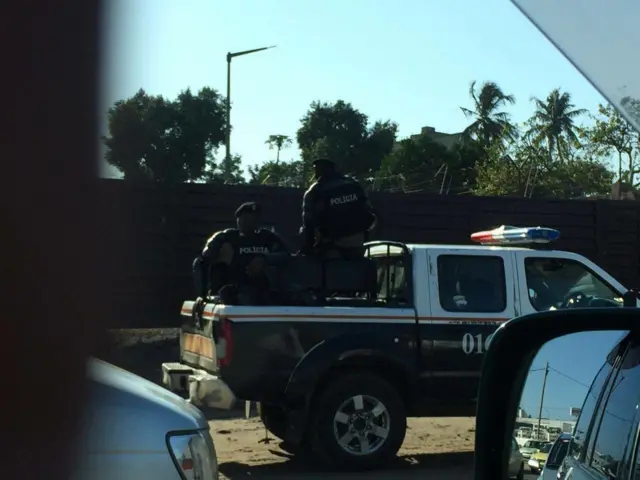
<point>506,235</point>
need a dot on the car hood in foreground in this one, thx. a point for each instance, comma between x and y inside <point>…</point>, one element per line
<point>125,411</point>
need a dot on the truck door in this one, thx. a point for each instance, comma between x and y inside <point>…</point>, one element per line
<point>472,293</point>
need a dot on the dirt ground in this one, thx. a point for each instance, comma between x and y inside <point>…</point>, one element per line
<point>438,448</point>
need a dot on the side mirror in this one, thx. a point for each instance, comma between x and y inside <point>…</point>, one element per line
<point>509,360</point>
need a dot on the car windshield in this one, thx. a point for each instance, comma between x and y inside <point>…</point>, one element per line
<point>601,41</point>
<point>438,120</point>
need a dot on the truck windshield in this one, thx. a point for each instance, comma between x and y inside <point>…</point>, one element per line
<point>556,283</point>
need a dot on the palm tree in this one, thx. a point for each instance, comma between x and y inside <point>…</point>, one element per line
<point>553,123</point>
<point>278,142</point>
<point>489,124</point>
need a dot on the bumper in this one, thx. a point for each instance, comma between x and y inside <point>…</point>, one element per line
<point>535,464</point>
<point>203,388</point>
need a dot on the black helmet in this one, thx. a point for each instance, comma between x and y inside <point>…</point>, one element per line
<point>323,159</point>
<point>248,207</point>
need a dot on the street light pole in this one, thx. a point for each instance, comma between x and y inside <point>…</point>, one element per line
<point>231,56</point>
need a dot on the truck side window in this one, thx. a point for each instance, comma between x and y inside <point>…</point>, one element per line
<point>555,283</point>
<point>471,283</point>
<point>618,425</point>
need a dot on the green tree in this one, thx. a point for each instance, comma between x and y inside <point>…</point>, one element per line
<point>489,124</point>
<point>524,170</point>
<point>280,174</point>
<point>509,171</point>
<point>416,164</point>
<point>278,142</point>
<point>228,171</point>
<point>553,124</point>
<point>159,140</point>
<point>421,163</point>
<point>612,134</point>
<point>632,107</point>
<point>346,136</point>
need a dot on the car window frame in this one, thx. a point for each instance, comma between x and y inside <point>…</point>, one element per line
<point>616,359</point>
<point>503,281</point>
<point>586,267</point>
<point>558,444</point>
<point>628,456</point>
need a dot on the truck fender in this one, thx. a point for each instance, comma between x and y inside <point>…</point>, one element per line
<point>349,350</point>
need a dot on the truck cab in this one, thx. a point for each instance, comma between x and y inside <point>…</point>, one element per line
<point>413,346</point>
<point>461,294</point>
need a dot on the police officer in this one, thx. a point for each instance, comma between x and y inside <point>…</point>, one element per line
<point>336,214</point>
<point>236,255</point>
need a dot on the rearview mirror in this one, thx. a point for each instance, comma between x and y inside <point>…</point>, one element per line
<point>579,365</point>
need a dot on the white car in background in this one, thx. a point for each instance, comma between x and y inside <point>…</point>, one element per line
<point>135,429</point>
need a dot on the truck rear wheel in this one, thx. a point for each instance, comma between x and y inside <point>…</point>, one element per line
<point>274,420</point>
<point>358,422</point>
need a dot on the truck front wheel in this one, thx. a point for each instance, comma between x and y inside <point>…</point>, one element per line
<point>358,422</point>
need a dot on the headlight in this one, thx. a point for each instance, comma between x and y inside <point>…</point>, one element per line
<point>194,455</point>
<point>534,463</point>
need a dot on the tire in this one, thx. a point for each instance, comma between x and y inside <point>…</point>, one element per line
<point>357,408</point>
<point>274,420</point>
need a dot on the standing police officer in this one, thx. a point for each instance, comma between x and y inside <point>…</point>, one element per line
<point>236,255</point>
<point>336,213</point>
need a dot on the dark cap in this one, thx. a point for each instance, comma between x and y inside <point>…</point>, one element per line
<point>322,159</point>
<point>248,207</point>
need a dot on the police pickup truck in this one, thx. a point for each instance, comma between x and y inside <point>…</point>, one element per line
<point>338,374</point>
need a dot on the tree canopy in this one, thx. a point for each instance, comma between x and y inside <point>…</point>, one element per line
<point>561,151</point>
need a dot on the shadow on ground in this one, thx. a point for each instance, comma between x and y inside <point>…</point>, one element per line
<point>302,465</point>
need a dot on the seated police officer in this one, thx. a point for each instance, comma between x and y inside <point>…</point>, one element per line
<point>336,214</point>
<point>236,256</point>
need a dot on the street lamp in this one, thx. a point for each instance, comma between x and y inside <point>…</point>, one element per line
<point>230,56</point>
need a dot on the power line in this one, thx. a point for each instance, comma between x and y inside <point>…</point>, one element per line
<point>569,377</point>
<point>555,370</point>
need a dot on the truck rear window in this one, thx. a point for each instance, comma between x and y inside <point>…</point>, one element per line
<point>472,283</point>
<point>392,280</point>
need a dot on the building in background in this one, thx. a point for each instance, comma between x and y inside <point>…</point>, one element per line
<point>446,139</point>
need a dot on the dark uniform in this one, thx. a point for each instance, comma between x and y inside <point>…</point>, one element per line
<point>336,215</point>
<point>227,254</point>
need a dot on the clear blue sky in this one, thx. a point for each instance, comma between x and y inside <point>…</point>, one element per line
<point>573,360</point>
<point>409,61</point>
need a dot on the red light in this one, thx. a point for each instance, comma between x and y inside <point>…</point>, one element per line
<point>225,334</point>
